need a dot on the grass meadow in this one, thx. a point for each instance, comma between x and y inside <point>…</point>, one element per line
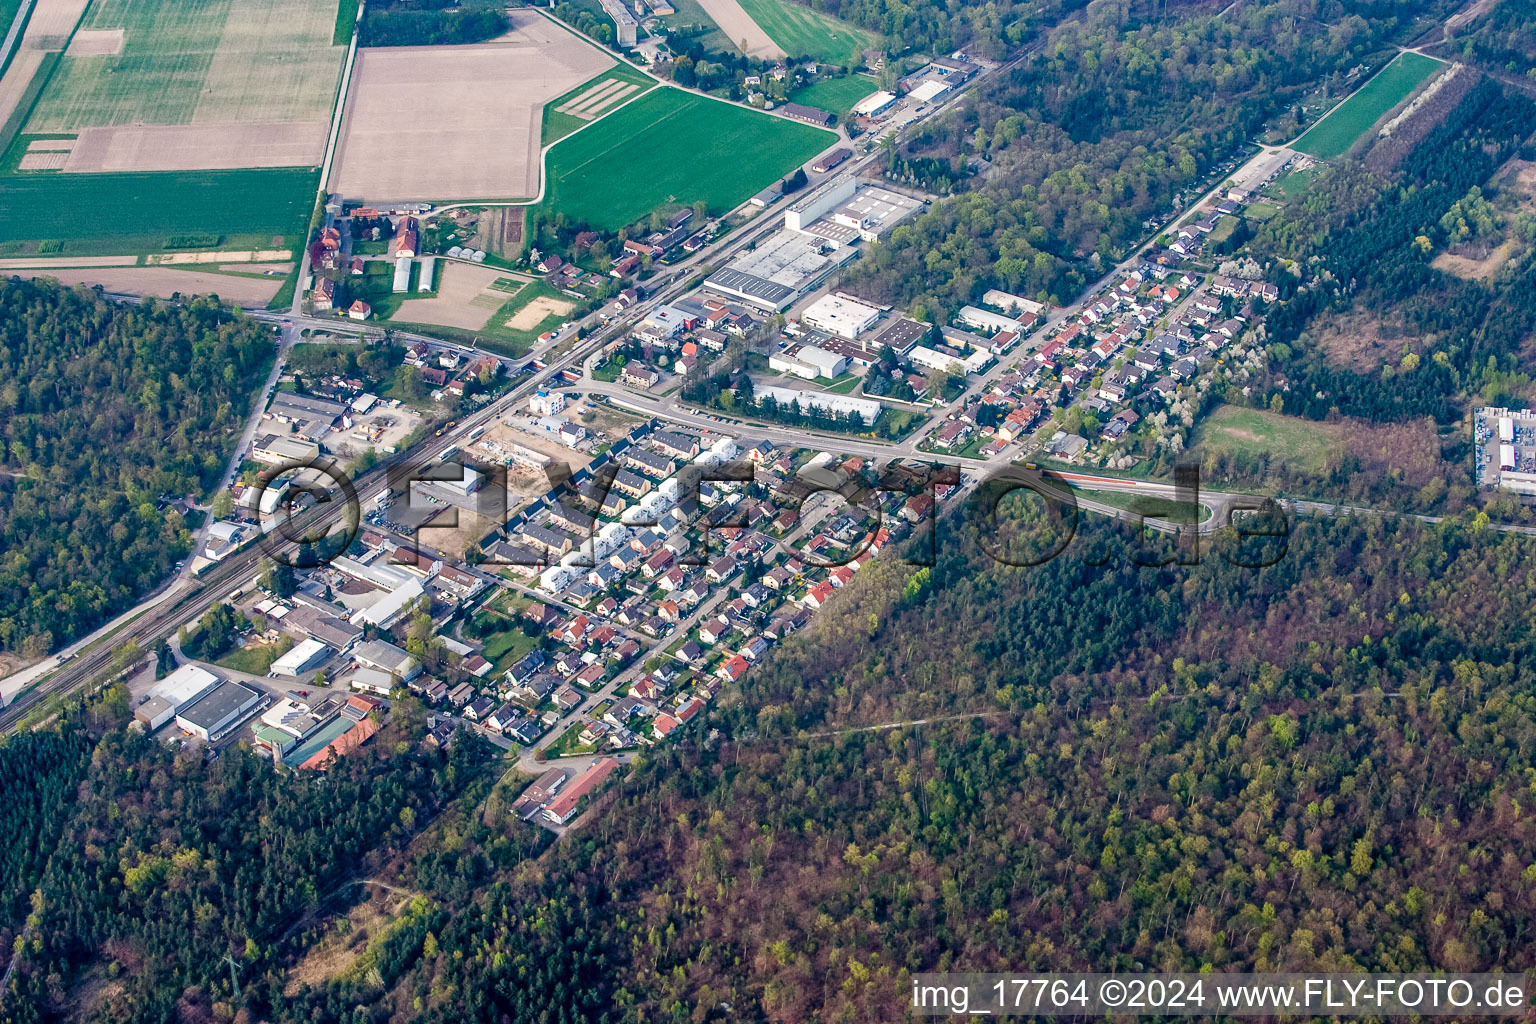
<point>835,94</point>
<point>1336,132</point>
<point>557,125</point>
<point>1302,444</point>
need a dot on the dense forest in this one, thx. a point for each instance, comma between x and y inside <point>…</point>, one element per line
<point>429,23</point>
<point>106,409</point>
<point>1502,38</point>
<point>1318,764</point>
<point>150,876</point>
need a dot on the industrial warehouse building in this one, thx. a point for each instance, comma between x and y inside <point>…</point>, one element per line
<point>840,315</point>
<point>276,450</point>
<point>809,362</point>
<point>304,657</point>
<point>386,657</point>
<point>220,712</point>
<point>780,270</point>
<point>182,688</point>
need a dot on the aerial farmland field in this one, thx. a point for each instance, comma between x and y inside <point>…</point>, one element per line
<point>802,32</point>
<point>146,212</point>
<point>1337,131</point>
<point>673,147</point>
<point>148,84</point>
<point>459,122</point>
<point>591,100</point>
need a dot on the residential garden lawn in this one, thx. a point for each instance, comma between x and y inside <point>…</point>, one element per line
<point>557,125</point>
<point>901,422</point>
<point>1299,443</point>
<point>1339,129</point>
<point>844,385</point>
<point>569,743</point>
<point>504,640</point>
<point>1224,229</point>
<point>732,153</point>
<point>1261,211</point>
<point>802,32</point>
<point>835,94</point>
<point>255,661</point>
<point>109,214</point>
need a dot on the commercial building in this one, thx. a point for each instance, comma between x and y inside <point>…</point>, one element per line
<point>1011,303</point>
<point>809,362</point>
<point>901,336</point>
<point>986,320</point>
<point>275,449</point>
<point>389,609</point>
<point>810,115</point>
<point>827,161</point>
<point>386,657</point>
<point>185,686</point>
<point>223,538</point>
<point>623,20</point>
<point>864,408</point>
<point>780,270</point>
<point>875,104</point>
<point>563,808</point>
<point>468,483</point>
<point>929,91</point>
<point>840,315</point>
<point>220,712</point>
<point>312,417</point>
<point>305,656</point>
<point>933,359</point>
<point>848,212</point>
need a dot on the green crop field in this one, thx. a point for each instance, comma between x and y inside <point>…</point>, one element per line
<point>803,32</point>
<point>673,147</point>
<point>1336,132</point>
<point>835,94</point>
<point>125,213</point>
<point>199,61</point>
<point>558,126</point>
